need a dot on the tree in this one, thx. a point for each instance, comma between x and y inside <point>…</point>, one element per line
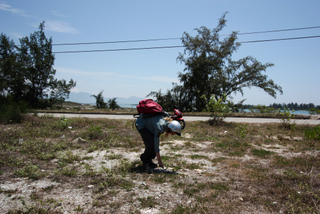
<point>60,89</point>
<point>37,63</point>
<point>173,97</point>
<point>165,100</point>
<point>112,103</point>
<point>99,100</point>
<point>27,72</point>
<point>100,104</point>
<point>12,78</point>
<point>209,68</point>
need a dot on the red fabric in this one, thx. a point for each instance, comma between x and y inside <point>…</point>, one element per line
<point>148,106</point>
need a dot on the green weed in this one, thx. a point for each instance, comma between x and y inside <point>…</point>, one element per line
<point>64,122</point>
<point>242,131</point>
<point>198,157</point>
<point>93,132</point>
<point>261,153</point>
<point>31,171</point>
<point>312,135</point>
<point>69,171</point>
<point>286,117</point>
<point>148,202</point>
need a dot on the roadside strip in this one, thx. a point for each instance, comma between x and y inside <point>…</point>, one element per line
<point>188,118</point>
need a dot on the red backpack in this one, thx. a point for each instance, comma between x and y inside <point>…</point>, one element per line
<point>148,106</point>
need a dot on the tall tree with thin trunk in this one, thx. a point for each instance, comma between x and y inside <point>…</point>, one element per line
<point>27,73</point>
<point>210,69</point>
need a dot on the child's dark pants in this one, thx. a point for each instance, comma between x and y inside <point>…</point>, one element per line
<point>148,139</point>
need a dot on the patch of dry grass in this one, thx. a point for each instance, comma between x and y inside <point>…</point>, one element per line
<point>49,165</point>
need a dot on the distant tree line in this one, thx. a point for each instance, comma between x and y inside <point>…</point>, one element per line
<point>295,106</point>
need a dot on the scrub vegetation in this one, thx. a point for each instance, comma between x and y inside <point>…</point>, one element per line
<point>81,165</point>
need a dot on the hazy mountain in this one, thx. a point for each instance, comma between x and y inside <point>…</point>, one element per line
<point>83,97</point>
<point>129,100</point>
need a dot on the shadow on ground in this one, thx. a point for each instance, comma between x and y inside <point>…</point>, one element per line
<point>140,169</point>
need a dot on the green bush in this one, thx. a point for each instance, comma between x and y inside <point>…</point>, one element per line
<point>12,112</point>
<point>314,111</point>
<point>262,109</point>
<point>286,117</point>
<point>93,132</point>
<point>218,108</point>
<point>31,171</point>
<point>64,122</point>
<point>312,134</point>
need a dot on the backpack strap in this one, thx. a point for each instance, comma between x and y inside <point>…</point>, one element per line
<point>164,114</point>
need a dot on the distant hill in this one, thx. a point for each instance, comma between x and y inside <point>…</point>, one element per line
<point>83,97</point>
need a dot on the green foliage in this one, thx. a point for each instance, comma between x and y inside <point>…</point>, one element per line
<point>170,98</point>
<point>262,109</point>
<point>242,131</point>
<point>305,200</point>
<point>31,171</point>
<point>148,202</point>
<point>112,104</point>
<point>313,134</point>
<point>209,68</point>
<point>27,71</point>
<point>69,171</point>
<point>218,108</point>
<point>100,104</point>
<point>68,157</point>
<point>64,122</point>
<point>261,153</point>
<point>93,132</point>
<point>60,90</point>
<point>12,112</point>
<point>314,111</point>
<point>286,117</point>
<point>112,180</point>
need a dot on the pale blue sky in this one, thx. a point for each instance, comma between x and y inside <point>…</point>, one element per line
<point>136,73</point>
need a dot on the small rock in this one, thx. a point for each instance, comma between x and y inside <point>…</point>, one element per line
<point>287,138</point>
<point>199,171</point>
<point>149,211</point>
<point>187,135</point>
<point>79,140</point>
<point>54,161</point>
